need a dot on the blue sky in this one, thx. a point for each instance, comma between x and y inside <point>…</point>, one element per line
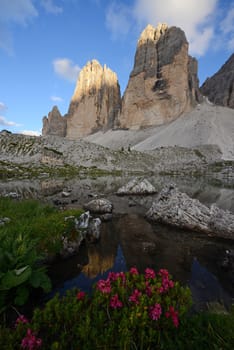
<point>45,43</point>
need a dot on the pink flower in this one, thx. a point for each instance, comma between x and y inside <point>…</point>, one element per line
<point>163,273</point>
<point>115,303</point>
<point>80,295</point>
<point>149,273</point>
<point>30,341</point>
<point>134,298</point>
<point>21,319</point>
<point>104,286</point>
<point>155,312</point>
<point>112,276</point>
<point>134,271</point>
<point>166,282</point>
<point>148,289</point>
<point>122,276</point>
<point>174,316</point>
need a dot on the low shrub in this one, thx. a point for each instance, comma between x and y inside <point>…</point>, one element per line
<point>125,311</point>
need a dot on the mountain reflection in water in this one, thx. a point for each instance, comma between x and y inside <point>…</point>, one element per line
<point>129,240</point>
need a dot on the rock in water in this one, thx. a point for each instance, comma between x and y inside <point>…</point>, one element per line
<point>163,83</point>
<point>101,205</point>
<point>220,87</point>
<point>178,209</point>
<point>96,101</point>
<point>137,186</point>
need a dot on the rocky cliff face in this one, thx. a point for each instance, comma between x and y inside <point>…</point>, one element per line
<point>96,101</point>
<point>163,83</point>
<point>55,124</point>
<point>220,87</point>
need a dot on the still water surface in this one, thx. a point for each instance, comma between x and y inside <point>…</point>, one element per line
<point>129,240</point>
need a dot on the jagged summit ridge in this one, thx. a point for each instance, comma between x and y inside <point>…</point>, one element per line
<point>96,101</point>
<point>94,105</point>
<point>163,83</point>
<point>220,87</point>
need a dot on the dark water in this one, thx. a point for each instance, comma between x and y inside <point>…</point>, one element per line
<point>129,240</point>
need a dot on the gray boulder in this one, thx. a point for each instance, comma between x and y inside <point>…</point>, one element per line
<point>178,209</point>
<point>137,186</point>
<point>100,206</point>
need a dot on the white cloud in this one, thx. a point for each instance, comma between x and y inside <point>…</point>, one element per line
<point>117,18</point>
<point>20,12</point>
<point>227,28</point>
<point>3,107</point>
<point>50,7</point>
<point>56,99</point>
<point>195,17</point>
<point>30,132</point>
<point>5,122</point>
<point>227,24</point>
<point>66,69</point>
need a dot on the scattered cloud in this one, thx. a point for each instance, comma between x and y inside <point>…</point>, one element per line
<point>227,24</point>
<point>195,17</point>
<point>5,122</point>
<point>66,69</point>
<point>19,12</point>
<point>50,7</point>
<point>227,27</point>
<point>56,99</point>
<point>31,132</point>
<point>3,107</point>
<point>117,19</point>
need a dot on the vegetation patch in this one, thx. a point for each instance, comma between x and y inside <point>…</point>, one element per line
<point>128,310</point>
<point>32,232</point>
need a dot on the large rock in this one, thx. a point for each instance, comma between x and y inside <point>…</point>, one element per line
<point>163,83</point>
<point>96,101</point>
<point>176,208</point>
<point>220,87</point>
<point>100,206</point>
<point>137,187</point>
<point>55,124</point>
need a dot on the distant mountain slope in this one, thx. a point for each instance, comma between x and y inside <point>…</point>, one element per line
<point>220,87</point>
<point>206,124</point>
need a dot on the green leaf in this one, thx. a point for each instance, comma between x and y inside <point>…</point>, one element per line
<point>22,294</point>
<point>19,271</point>
<point>11,279</point>
<point>40,279</point>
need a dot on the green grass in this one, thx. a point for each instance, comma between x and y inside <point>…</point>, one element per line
<point>30,218</point>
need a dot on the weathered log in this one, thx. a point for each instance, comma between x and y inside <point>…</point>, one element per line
<point>176,208</point>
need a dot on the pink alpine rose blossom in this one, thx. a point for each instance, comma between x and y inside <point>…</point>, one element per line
<point>21,319</point>
<point>134,271</point>
<point>115,303</point>
<point>104,286</point>
<point>80,295</point>
<point>155,312</point>
<point>30,342</point>
<point>134,298</point>
<point>174,316</point>
<point>149,273</point>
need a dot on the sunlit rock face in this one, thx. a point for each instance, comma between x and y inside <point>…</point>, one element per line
<point>220,87</point>
<point>163,83</point>
<point>54,124</point>
<point>96,101</point>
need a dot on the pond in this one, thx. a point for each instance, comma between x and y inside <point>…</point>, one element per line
<point>129,240</point>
